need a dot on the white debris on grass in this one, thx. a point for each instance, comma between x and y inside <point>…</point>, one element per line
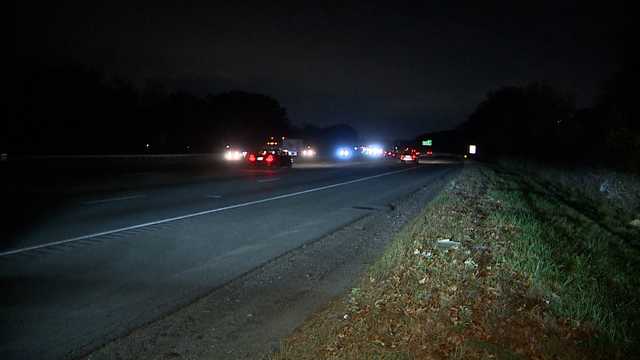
<point>470,264</point>
<point>448,244</point>
<point>425,254</point>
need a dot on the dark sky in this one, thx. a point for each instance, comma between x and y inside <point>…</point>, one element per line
<point>391,69</point>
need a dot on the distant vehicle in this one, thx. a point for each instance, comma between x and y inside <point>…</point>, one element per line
<point>373,151</point>
<point>274,158</point>
<point>293,147</point>
<point>308,152</point>
<point>233,154</point>
<point>409,156</point>
<point>272,143</point>
<point>344,153</point>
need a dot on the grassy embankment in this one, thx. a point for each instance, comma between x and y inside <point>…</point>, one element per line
<point>541,272</point>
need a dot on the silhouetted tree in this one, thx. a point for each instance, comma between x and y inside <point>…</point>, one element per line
<point>520,121</point>
<point>619,132</point>
<point>61,108</point>
<point>245,118</point>
<point>72,109</point>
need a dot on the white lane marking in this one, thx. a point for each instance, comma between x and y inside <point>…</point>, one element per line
<point>267,180</point>
<point>93,202</point>
<point>214,196</point>
<point>200,213</point>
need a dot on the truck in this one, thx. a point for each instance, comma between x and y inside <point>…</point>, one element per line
<point>293,147</point>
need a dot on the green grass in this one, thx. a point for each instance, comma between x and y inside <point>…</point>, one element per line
<point>395,254</point>
<point>541,271</point>
<point>582,258</point>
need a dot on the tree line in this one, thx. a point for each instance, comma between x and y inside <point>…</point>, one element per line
<point>73,109</point>
<point>538,122</point>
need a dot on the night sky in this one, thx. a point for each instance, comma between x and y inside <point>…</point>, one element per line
<point>390,69</point>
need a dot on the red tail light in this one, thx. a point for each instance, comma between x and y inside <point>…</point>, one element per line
<point>252,158</point>
<point>269,158</point>
<point>413,157</point>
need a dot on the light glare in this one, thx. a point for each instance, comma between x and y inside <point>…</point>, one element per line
<point>344,153</point>
<point>233,155</point>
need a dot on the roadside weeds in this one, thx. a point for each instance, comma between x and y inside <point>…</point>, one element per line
<point>498,266</point>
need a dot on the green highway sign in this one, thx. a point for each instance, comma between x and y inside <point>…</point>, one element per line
<point>427,142</point>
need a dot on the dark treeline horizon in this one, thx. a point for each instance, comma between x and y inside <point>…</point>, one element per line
<point>538,122</point>
<point>69,108</point>
<point>73,109</point>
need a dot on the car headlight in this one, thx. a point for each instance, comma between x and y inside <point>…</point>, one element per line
<point>344,153</point>
<point>233,155</point>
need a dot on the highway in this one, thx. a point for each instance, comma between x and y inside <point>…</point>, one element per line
<point>99,265</point>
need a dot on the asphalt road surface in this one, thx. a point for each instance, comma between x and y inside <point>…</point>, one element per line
<point>101,265</point>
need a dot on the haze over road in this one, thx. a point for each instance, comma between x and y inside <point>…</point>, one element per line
<point>104,264</point>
